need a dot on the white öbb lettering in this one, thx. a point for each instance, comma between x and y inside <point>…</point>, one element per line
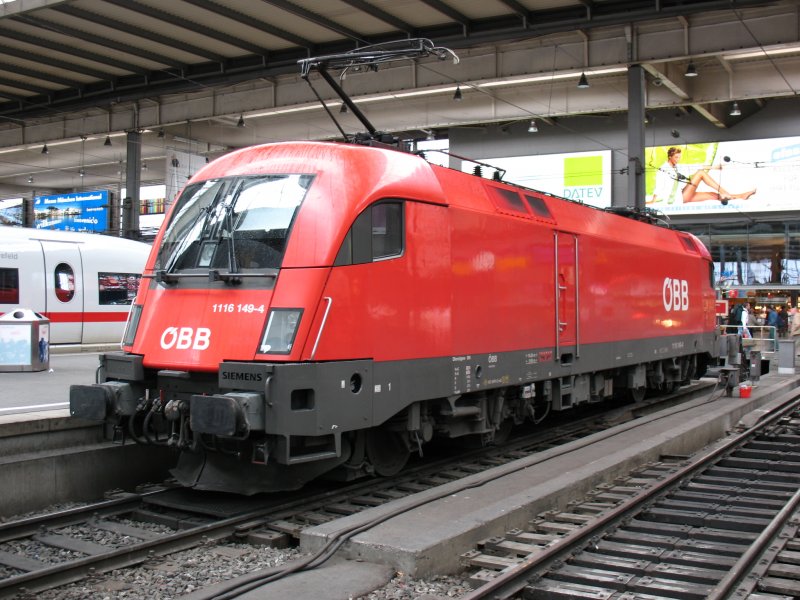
<point>183,338</point>
<point>675,294</point>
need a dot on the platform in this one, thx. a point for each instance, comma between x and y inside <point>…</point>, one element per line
<point>430,537</point>
<point>46,391</point>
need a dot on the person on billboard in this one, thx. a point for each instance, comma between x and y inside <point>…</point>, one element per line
<point>676,184</point>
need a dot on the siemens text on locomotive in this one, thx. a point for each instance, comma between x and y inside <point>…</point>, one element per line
<point>317,308</point>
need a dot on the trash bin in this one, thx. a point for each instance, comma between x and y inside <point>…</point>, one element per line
<point>24,341</point>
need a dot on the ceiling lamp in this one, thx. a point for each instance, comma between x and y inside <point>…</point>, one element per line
<point>30,178</point>
<point>583,83</point>
<point>343,109</point>
<point>240,123</point>
<point>45,150</point>
<point>81,172</point>
<point>457,96</point>
<point>161,132</point>
<point>532,128</point>
<point>108,141</point>
<point>735,111</point>
<point>691,70</point>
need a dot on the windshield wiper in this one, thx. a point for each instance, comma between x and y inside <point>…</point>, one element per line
<point>162,276</point>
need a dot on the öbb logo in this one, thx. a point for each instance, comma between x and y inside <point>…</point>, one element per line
<point>184,338</point>
<point>675,294</point>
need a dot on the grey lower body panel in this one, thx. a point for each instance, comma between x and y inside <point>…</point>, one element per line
<point>314,399</point>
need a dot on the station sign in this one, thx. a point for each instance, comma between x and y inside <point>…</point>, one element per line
<point>81,211</point>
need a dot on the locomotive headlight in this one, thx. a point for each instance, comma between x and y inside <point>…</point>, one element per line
<point>132,325</point>
<point>280,331</point>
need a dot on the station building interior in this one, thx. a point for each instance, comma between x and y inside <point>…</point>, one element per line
<point>580,98</point>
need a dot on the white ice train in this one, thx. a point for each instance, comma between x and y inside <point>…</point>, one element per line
<point>83,282</point>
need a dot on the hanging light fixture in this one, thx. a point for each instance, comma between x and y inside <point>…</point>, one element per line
<point>735,111</point>
<point>691,70</point>
<point>343,109</point>
<point>457,96</point>
<point>240,123</point>
<point>30,178</point>
<point>108,141</point>
<point>583,83</point>
<point>161,132</point>
<point>45,150</point>
<point>81,172</point>
<point>532,128</point>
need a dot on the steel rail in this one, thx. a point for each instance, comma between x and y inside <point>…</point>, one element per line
<point>513,580</point>
<point>11,530</point>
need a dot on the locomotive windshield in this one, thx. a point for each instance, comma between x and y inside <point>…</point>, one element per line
<point>232,224</point>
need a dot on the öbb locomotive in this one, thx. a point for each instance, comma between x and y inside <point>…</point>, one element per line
<point>314,308</point>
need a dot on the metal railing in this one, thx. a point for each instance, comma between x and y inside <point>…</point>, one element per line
<point>764,336</point>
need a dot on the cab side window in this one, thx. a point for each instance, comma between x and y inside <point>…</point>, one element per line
<point>377,234</point>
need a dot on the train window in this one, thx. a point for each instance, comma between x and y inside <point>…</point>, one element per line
<point>117,288</point>
<point>376,234</point>
<point>538,206</point>
<point>508,201</point>
<point>9,286</point>
<point>387,230</point>
<point>233,224</point>
<point>64,282</point>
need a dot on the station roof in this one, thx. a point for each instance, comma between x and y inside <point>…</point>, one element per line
<point>189,73</point>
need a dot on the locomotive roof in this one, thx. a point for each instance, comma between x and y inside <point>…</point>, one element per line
<point>370,173</point>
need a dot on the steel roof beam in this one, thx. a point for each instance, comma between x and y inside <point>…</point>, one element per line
<point>450,12</point>
<point>238,17</point>
<point>147,34</point>
<point>77,34</point>
<point>383,16</point>
<point>59,64</point>
<point>42,76</point>
<point>215,34</point>
<point>70,51</point>
<point>316,19</point>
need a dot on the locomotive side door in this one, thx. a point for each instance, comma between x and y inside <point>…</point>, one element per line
<point>567,323</point>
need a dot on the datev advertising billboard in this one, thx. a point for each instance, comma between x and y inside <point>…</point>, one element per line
<point>581,176</point>
<point>82,211</point>
<point>724,177</point>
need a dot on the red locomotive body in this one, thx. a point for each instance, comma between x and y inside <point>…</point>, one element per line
<point>320,306</point>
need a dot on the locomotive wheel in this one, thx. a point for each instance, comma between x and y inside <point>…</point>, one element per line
<point>672,387</point>
<point>503,432</point>
<point>387,451</point>
<point>637,394</point>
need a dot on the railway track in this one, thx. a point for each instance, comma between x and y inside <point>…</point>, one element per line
<point>51,550</point>
<point>721,525</point>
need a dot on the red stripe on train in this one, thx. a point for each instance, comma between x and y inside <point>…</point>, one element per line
<point>86,317</point>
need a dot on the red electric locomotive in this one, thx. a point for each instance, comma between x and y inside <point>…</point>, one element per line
<point>324,307</point>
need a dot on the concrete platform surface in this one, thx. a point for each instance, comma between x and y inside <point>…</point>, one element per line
<point>336,579</point>
<point>42,391</point>
<point>441,524</point>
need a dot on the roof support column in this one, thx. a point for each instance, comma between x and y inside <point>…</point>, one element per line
<point>636,107</point>
<point>133,176</point>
